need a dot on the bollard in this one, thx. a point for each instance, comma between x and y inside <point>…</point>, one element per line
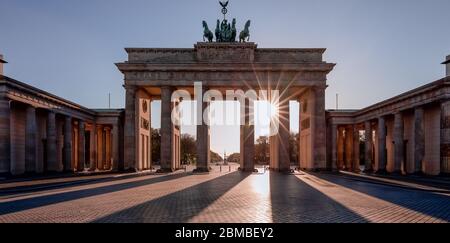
<point>220,168</point>
<point>229,168</point>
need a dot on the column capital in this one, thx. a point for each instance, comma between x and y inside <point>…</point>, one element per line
<point>130,87</point>
<point>320,87</point>
<point>167,87</point>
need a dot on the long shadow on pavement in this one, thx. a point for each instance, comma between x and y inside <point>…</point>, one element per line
<point>294,201</point>
<point>431,204</point>
<point>180,206</point>
<point>82,180</point>
<point>39,201</point>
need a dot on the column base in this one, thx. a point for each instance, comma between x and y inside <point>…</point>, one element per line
<point>442,174</point>
<point>317,170</point>
<point>284,171</point>
<point>417,173</point>
<point>201,170</point>
<point>164,170</point>
<point>396,173</point>
<point>253,170</point>
<point>368,171</point>
<point>381,172</point>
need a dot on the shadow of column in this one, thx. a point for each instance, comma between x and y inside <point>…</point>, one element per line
<point>40,201</point>
<point>180,206</point>
<point>431,204</point>
<point>294,201</point>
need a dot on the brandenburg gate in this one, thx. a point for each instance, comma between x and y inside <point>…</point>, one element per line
<point>155,73</point>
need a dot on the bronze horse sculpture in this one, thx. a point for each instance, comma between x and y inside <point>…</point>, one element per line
<point>245,34</point>
<point>207,33</point>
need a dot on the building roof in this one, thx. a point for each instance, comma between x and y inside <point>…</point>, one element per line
<point>2,61</point>
<point>447,60</point>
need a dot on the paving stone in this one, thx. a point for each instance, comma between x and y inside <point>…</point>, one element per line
<point>232,197</point>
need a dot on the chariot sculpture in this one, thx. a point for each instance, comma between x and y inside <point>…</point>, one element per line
<point>225,31</point>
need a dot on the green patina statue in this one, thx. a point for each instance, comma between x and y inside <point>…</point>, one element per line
<point>207,33</point>
<point>226,32</point>
<point>245,33</point>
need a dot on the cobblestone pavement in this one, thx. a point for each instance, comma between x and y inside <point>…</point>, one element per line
<point>227,197</point>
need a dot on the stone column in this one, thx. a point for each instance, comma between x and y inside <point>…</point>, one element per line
<point>334,158</point>
<point>340,148</point>
<point>368,147</point>
<point>348,147</point>
<point>318,122</point>
<point>93,146</point>
<point>104,144</point>
<point>356,149</point>
<point>30,140</point>
<point>248,140</point>
<point>100,147</point>
<point>284,133</point>
<point>398,143</point>
<point>419,140</point>
<point>167,129</point>
<point>108,147</point>
<point>51,142</point>
<point>115,147</point>
<point>130,152</point>
<point>203,148</point>
<point>382,152</point>
<point>5,140</point>
<point>81,146</point>
<point>445,138</point>
<point>68,144</point>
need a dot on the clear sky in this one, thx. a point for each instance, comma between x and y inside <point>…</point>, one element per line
<point>69,48</point>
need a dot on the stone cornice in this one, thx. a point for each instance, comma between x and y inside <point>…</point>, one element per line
<point>235,67</point>
<point>19,91</point>
<point>426,94</point>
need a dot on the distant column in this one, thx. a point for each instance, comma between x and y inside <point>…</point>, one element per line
<point>107,147</point>
<point>368,147</point>
<point>445,138</point>
<point>419,140</point>
<point>382,152</point>
<point>81,146</point>
<point>398,143</point>
<point>340,148</point>
<point>51,142</point>
<point>30,140</point>
<point>93,146</point>
<point>68,144</point>
<point>356,149</point>
<point>100,148</point>
<point>334,160</point>
<point>5,141</point>
<point>115,147</point>
<point>348,147</point>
